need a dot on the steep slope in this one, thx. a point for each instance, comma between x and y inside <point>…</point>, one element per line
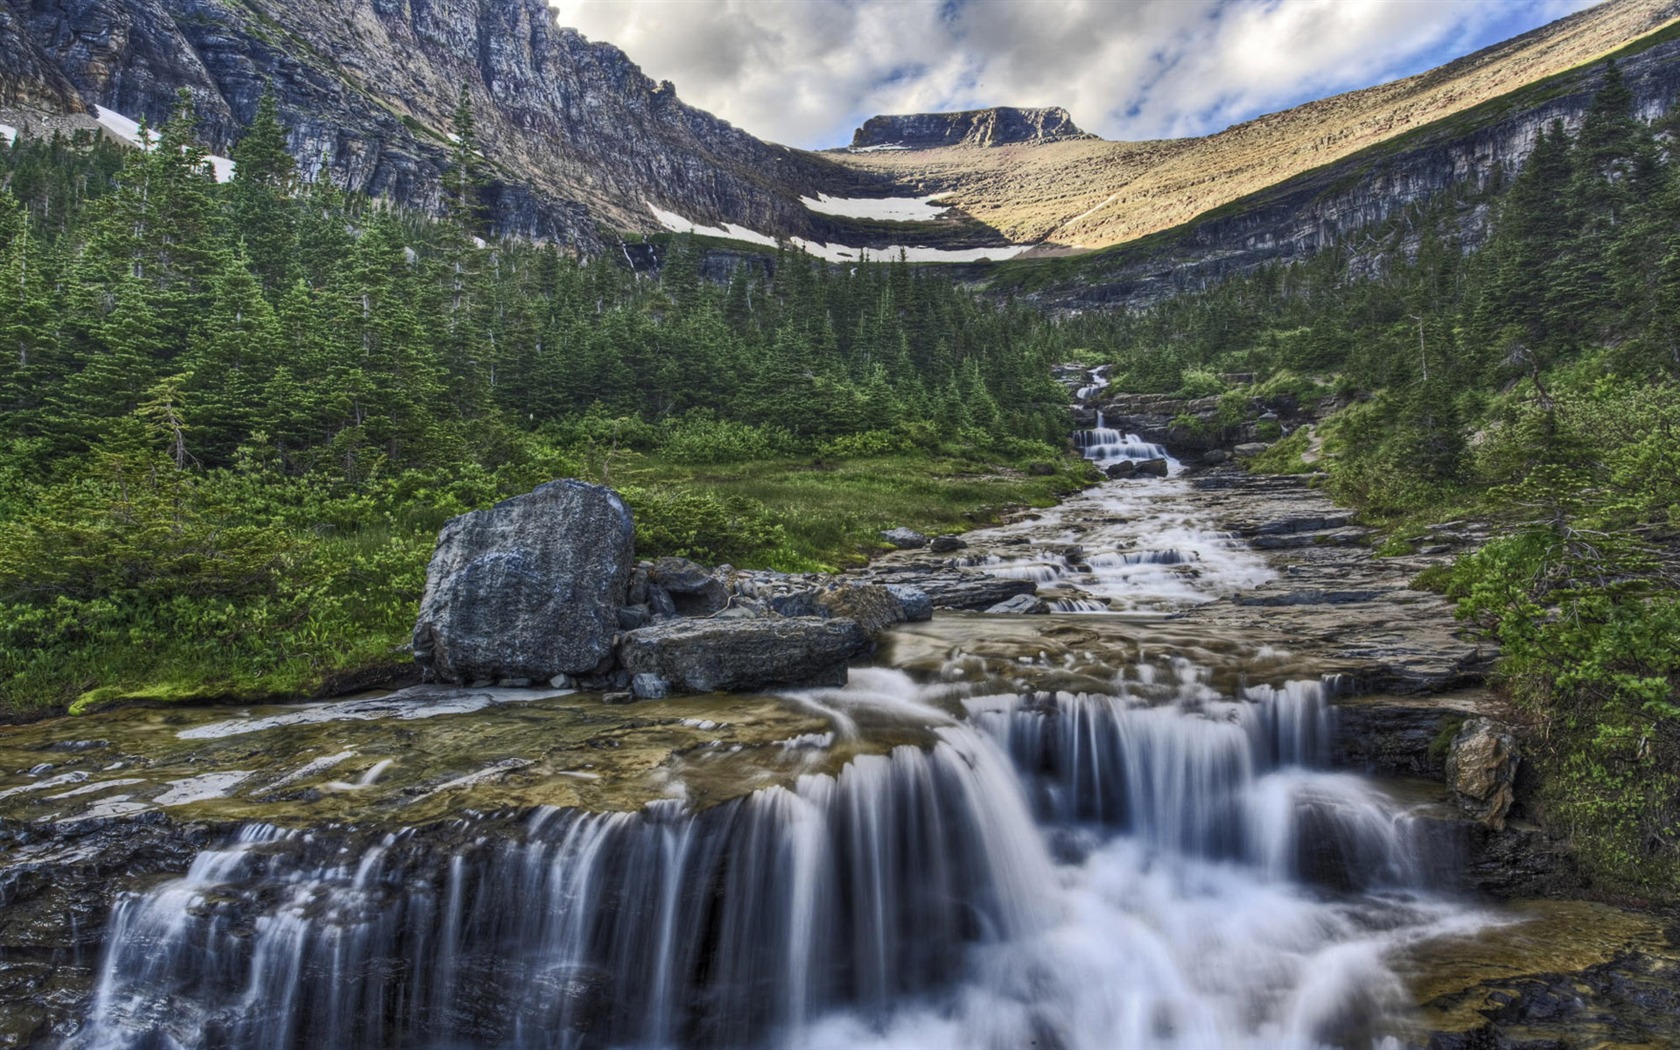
<point>579,137</point>
<point>1353,200</point>
<point>1091,193</point>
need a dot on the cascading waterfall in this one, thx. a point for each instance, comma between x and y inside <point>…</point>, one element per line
<point>947,895</point>
<point>1102,444</point>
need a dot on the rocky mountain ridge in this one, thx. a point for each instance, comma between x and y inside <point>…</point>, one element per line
<point>581,142</point>
<point>997,126</point>
<point>585,149</point>
<point>1085,194</point>
<point>1353,201</point>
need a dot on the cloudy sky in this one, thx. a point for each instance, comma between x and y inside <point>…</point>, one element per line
<point>806,72</point>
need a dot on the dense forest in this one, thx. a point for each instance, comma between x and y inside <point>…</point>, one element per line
<point>1534,382</point>
<point>234,415</point>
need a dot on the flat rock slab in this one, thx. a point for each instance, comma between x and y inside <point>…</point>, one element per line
<point>527,589</point>
<point>733,655</point>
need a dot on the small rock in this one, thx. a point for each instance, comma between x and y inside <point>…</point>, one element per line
<point>946,544</point>
<point>618,698</point>
<point>870,604</point>
<point>1482,770</point>
<point>904,539</point>
<point>1021,605</point>
<point>514,683</point>
<point>1215,458</point>
<point>1155,468</point>
<point>694,589</point>
<point>649,687</point>
<point>633,616</point>
<point>915,602</point>
<point>560,681</point>
<point>1249,449</point>
<point>1120,471</point>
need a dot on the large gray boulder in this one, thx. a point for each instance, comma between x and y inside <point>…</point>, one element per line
<point>725,654</point>
<point>530,588</point>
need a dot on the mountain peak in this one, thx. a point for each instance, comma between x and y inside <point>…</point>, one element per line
<point>997,126</point>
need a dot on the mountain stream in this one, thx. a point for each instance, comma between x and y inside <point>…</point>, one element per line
<point>1113,826</point>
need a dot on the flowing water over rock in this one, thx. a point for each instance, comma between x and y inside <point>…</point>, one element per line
<point>1122,824</point>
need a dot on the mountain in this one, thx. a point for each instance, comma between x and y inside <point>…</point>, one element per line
<point>998,126</point>
<point>582,143</point>
<point>585,149</point>
<point>1359,202</point>
<point>1089,193</point>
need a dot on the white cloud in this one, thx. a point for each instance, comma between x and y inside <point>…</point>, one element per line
<point>805,72</point>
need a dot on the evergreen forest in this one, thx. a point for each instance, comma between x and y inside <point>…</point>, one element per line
<point>234,415</point>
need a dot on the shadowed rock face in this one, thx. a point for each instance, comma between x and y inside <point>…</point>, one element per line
<point>998,126</point>
<point>530,588</point>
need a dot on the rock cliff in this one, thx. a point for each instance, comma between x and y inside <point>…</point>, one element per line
<point>580,141</point>
<point>998,126</point>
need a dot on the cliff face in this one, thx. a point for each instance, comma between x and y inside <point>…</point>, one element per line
<point>1304,215</point>
<point>999,126</point>
<point>578,137</point>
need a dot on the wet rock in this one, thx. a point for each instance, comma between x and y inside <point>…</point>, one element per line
<point>1021,605</point>
<point>1249,449</point>
<point>529,588</point>
<point>694,589</point>
<point>1154,468</point>
<point>649,687</point>
<point>1482,768</point>
<point>946,544</point>
<point>870,604</point>
<point>951,588</point>
<point>702,656</point>
<point>1120,471</point>
<point>904,539</point>
<point>915,602</point>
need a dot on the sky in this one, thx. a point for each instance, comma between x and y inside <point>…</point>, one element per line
<point>807,72</point>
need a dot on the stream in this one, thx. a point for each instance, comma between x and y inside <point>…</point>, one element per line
<point>1128,823</point>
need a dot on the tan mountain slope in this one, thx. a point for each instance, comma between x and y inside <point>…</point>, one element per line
<point>1091,193</point>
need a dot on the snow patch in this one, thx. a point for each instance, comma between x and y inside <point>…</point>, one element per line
<point>889,209</point>
<point>8,133</point>
<point>677,224</point>
<point>838,252</point>
<point>882,148</point>
<point>129,131</point>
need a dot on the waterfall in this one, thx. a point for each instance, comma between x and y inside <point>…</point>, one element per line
<point>1053,867</point>
<point>1102,444</point>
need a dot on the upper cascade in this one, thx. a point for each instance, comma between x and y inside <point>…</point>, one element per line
<point>998,126</point>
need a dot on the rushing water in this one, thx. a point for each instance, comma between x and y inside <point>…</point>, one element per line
<point>1158,862</point>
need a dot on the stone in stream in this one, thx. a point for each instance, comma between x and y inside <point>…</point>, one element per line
<point>917,606</point>
<point>530,588</point>
<point>873,606</point>
<point>1121,470</point>
<point>1021,605</point>
<point>904,539</point>
<point>1154,468</point>
<point>946,544</point>
<point>728,655</point>
<point>1482,770</point>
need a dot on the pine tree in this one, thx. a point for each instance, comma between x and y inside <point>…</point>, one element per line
<point>259,203</point>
